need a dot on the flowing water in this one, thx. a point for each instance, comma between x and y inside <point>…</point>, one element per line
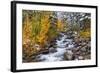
<point>62,45</point>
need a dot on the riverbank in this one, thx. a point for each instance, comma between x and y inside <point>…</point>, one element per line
<point>65,48</point>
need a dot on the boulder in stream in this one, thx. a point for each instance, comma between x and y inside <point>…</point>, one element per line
<point>52,50</point>
<point>68,55</point>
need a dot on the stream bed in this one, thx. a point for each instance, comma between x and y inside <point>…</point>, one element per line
<point>57,54</point>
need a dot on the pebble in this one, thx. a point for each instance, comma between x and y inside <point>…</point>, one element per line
<point>80,57</point>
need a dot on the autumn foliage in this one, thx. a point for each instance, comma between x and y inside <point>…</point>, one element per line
<point>41,27</point>
<point>38,31</point>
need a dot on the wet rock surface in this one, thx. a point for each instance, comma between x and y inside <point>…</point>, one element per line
<point>68,55</point>
<point>80,52</point>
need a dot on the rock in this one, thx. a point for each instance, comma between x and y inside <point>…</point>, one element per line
<point>64,41</point>
<point>69,52</point>
<point>76,39</point>
<point>66,45</point>
<point>60,35</point>
<point>80,58</point>
<point>73,43</point>
<point>58,38</point>
<point>68,31</point>
<point>52,50</point>
<point>76,49</point>
<point>88,39</point>
<point>78,53</point>
<point>68,55</point>
<point>70,37</point>
<point>76,45</point>
<point>89,52</point>
<point>89,44</point>
<point>83,43</point>
<point>83,49</point>
<point>45,52</point>
<point>88,56</point>
<point>33,57</point>
<point>83,53</point>
<point>82,39</point>
<point>54,46</point>
<point>38,59</point>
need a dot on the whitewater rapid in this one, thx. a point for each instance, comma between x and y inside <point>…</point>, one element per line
<point>60,50</point>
